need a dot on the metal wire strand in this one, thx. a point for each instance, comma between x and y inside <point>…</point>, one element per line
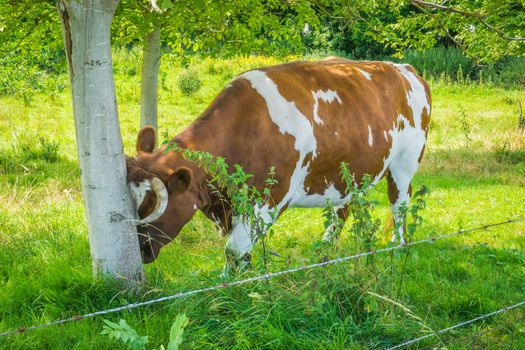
<point>265,276</point>
<point>461,324</point>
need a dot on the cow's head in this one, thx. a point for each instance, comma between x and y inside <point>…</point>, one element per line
<point>164,191</point>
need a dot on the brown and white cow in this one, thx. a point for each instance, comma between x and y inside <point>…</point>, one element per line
<point>303,118</point>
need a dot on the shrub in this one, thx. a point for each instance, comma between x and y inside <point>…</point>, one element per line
<point>451,64</point>
<point>45,150</point>
<point>443,61</point>
<point>189,82</point>
<point>510,71</point>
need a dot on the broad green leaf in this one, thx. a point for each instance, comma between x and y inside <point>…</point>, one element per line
<point>166,5</point>
<point>177,331</point>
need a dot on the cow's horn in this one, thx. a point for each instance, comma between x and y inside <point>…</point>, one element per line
<point>162,201</point>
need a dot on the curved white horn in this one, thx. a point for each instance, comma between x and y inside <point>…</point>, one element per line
<point>162,200</point>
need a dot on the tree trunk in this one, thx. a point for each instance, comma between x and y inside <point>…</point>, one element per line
<point>86,26</point>
<point>150,74</point>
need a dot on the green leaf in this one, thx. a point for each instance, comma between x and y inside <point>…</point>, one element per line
<point>177,331</point>
<point>125,333</point>
<point>166,5</point>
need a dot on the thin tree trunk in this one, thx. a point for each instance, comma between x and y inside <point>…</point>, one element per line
<point>86,26</point>
<point>150,74</point>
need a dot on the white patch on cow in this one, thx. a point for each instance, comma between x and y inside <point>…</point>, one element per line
<point>416,97</point>
<point>319,200</point>
<point>370,137</point>
<point>195,206</point>
<point>365,74</point>
<point>385,135</point>
<point>336,133</point>
<point>240,241</point>
<point>283,113</point>
<point>290,120</point>
<point>139,191</point>
<point>327,96</point>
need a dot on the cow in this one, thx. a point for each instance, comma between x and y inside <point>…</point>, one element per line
<point>302,118</point>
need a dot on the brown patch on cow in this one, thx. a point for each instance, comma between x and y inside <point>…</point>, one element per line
<point>147,205</point>
<point>237,126</point>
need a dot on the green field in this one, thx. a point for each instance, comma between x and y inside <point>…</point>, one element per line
<point>474,166</point>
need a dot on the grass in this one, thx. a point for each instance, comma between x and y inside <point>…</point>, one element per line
<point>474,165</point>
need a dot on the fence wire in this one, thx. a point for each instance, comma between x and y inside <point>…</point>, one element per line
<point>461,324</point>
<point>265,276</point>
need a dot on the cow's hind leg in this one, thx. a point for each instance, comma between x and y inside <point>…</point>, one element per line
<point>399,192</point>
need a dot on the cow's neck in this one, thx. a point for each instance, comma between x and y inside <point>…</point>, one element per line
<point>206,134</point>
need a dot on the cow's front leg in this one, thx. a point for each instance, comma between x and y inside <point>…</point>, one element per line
<point>244,235</point>
<point>238,248</point>
<point>334,229</point>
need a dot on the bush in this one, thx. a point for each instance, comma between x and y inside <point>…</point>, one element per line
<point>442,62</point>
<point>24,75</point>
<point>189,82</point>
<point>45,150</point>
<point>451,64</point>
<point>510,71</point>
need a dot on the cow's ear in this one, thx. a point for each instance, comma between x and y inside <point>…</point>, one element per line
<point>180,180</point>
<point>146,139</point>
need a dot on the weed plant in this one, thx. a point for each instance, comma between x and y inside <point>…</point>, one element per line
<point>189,83</point>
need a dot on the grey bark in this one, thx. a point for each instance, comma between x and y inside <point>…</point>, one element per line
<point>108,204</point>
<point>150,74</point>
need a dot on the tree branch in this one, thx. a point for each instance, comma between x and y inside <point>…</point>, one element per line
<point>500,32</point>
<point>445,30</point>
<point>480,16</point>
<point>446,8</point>
<point>154,6</point>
